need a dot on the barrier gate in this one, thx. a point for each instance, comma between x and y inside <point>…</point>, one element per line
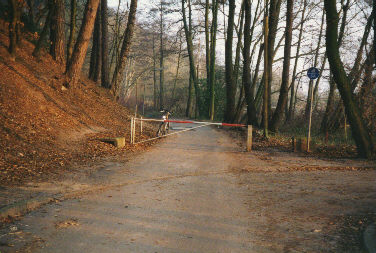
<point>202,124</point>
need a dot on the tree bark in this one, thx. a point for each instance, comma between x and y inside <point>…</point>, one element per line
<point>72,30</point>
<point>188,110</point>
<point>14,20</point>
<point>31,21</point>
<point>96,55</point>
<point>230,84</point>
<point>332,122</point>
<point>213,35</point>
<point>105,77</point>
<point>154,76</point>
<point>117,77</point>
<point>161,60</point>
<point>42,36</point>
<point>363,137</point>
<point>275,7</point>
<point>265,108</point>
<point>291,112</point>
<point>192,68</point>
<point>247,82</point>
<point>207,54</point>
<point>78,56</point>
<point>284,91</point>
<point>57,33</point>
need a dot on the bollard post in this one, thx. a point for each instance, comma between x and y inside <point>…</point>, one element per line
<point>293,141</point>
<point>249,138</point>
<point>131,130</point>
<point>141,126</point>
<point>134,130</point>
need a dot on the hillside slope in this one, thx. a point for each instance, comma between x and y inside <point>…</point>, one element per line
<point>45,128</point>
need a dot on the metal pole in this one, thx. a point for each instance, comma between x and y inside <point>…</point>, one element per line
<point>310,120</point>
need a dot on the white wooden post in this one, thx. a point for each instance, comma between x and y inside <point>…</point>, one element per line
<point>141,126</point>
<point>249,138</point>
<point>132,130</point>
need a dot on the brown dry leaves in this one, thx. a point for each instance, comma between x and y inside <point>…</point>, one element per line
<point>44,130</point>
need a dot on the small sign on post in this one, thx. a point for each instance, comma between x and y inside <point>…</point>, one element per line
<point>249,138</point>
<point>313,73</point>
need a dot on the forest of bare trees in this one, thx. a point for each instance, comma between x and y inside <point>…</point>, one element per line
<point>238,61</point>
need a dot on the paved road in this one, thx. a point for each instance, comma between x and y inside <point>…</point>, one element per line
<point>199,192</point>
<point>187,201</point>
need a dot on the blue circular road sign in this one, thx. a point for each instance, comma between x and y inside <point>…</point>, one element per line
<point>313,73</point>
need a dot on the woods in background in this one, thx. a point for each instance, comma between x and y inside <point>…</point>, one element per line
<point>218,60</point>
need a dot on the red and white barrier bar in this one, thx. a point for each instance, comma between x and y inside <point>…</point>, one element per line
<point>200,124</point>
<point>193,122</point>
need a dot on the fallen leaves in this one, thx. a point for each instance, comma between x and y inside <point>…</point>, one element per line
<point>66,223</point>
<point>38,119</point>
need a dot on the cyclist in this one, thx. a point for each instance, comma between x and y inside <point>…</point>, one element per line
<point>164,126</point>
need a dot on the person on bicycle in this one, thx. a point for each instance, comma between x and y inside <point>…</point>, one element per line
<point>164,126</point>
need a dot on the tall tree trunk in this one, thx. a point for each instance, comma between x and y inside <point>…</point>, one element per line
<point>363,137</point>
<point>207,54</point>
<point>99,42</point>
<point>105,77</point>
<point>265,107</point>
<point>332,122</point>
<point>96,56</point>
<point>42,36</point>
<point>14,10</point>
<point>275,7</point>
<point>247,82</point>
<point>213,34</point>
<point>192,68</point>
<point>155,76</point>
<point>291,112</point>
<point>230,84</point>
<point>57,33</point>
<point>161,60</point>
<point>72,30</point>
<point>284,91</point>
<point>128,34</point>
<point>78,56</point>
<point>188,110</point>
<point>31,21</point>
<point>177,73</point>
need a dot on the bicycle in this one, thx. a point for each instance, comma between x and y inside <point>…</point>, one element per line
<point>164,126</point>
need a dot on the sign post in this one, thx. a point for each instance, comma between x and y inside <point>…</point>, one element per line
<point>313,73</point>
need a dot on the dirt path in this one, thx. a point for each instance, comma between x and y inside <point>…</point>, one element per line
<point>199,192</point>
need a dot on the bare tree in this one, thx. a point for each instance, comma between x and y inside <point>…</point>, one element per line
<point>363,137</point>
<point>117,77</point>
<point>230,84</point>
<point>57,33</point>
<point>247,82</point>
<point>14,27</point>
<point>74,66</point>
<point>105,77</point>
<point>283,95</point>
